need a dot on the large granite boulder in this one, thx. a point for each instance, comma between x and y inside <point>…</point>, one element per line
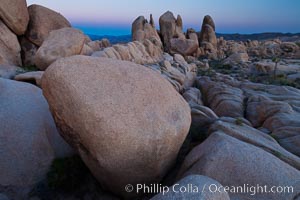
<point>59,44</point>
<point>14,14</point>
<point>42,22</point>
<point>126,122</point>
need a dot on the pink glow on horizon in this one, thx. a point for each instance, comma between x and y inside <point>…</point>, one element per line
<point>232,15</point>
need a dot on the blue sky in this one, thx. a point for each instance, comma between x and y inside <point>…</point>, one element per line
<point>114,17</point>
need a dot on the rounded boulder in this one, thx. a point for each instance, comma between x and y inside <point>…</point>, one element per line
<point>126,122</point>
<point>15,15</point>
<point>42,21</point>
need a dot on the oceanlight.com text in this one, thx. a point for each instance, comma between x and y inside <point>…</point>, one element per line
<point>212,188</point>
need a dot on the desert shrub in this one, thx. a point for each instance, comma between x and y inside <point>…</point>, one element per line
<point>29,68</point>
<point>209,72</point>
<point>239,122</point>
<point>280,79</point>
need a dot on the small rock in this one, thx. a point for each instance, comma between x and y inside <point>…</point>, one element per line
<point>35,77</point>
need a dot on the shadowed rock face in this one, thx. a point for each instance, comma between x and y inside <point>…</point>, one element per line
<point>129,123</point>
<point>25,152</point>
<point>28,51</point>
<point>42,22</point>
<point>14,14</point>
<point>29,138</point>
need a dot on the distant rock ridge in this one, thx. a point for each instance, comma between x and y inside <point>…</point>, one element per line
<point>170,38</point>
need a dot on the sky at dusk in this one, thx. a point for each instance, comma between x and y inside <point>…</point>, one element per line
<point>114,17</point>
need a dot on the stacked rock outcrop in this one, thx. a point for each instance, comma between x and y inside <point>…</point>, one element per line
<point>173,38</point>
<point>142,30</point>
